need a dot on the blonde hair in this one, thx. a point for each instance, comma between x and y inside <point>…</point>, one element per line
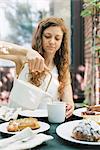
<point>62,56</point>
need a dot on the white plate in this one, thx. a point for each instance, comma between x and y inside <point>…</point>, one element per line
<point>43,127</point>
<point>35,113</point>
<point>78,112</point>
<point>65,131</point>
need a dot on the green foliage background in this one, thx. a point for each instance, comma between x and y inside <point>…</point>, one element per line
<point>22,20</point>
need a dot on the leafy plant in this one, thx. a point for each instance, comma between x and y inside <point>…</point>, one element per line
<point>92,8</point>
<point>89,7</point>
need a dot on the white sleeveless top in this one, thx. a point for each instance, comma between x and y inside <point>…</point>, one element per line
<point>54,84</point>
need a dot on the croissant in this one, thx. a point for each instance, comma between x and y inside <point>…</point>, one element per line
<point>20,124</point>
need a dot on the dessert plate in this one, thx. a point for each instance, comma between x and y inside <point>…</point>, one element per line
<point>65,132</point>
<point>43,127</point>
<point>78,112</point>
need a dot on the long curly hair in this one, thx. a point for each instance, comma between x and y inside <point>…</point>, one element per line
<point>62,56</point>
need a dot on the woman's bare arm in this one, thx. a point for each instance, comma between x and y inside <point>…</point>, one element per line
<point>68,97</point>
<point>32,57</point>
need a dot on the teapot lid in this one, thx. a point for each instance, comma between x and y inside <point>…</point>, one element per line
<point>7,63</point>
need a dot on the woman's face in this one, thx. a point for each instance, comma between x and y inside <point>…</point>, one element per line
<point>51,39</point>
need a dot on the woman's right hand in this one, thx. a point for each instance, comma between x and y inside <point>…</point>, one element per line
<point>36,62</point>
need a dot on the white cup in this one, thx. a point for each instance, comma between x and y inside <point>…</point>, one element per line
<point>56,112</point>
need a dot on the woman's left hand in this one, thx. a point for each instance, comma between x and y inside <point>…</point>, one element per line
<point>69,110</point>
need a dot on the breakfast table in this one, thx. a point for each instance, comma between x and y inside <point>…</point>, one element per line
<point>58,143</point>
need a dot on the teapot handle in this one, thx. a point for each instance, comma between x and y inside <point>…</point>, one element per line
<point>45,70</point>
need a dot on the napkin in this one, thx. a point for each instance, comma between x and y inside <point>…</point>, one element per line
<point>7,113</point>
<point>25,139</point>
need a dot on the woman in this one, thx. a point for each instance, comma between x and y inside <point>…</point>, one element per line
<point>51,41</point>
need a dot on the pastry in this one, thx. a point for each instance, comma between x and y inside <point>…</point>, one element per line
<point>20,124</point>
<point>87,130</point>
<point>94,108</point>
<point>92,113</point>
<point>87,113</point>
<point>95,117</point>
